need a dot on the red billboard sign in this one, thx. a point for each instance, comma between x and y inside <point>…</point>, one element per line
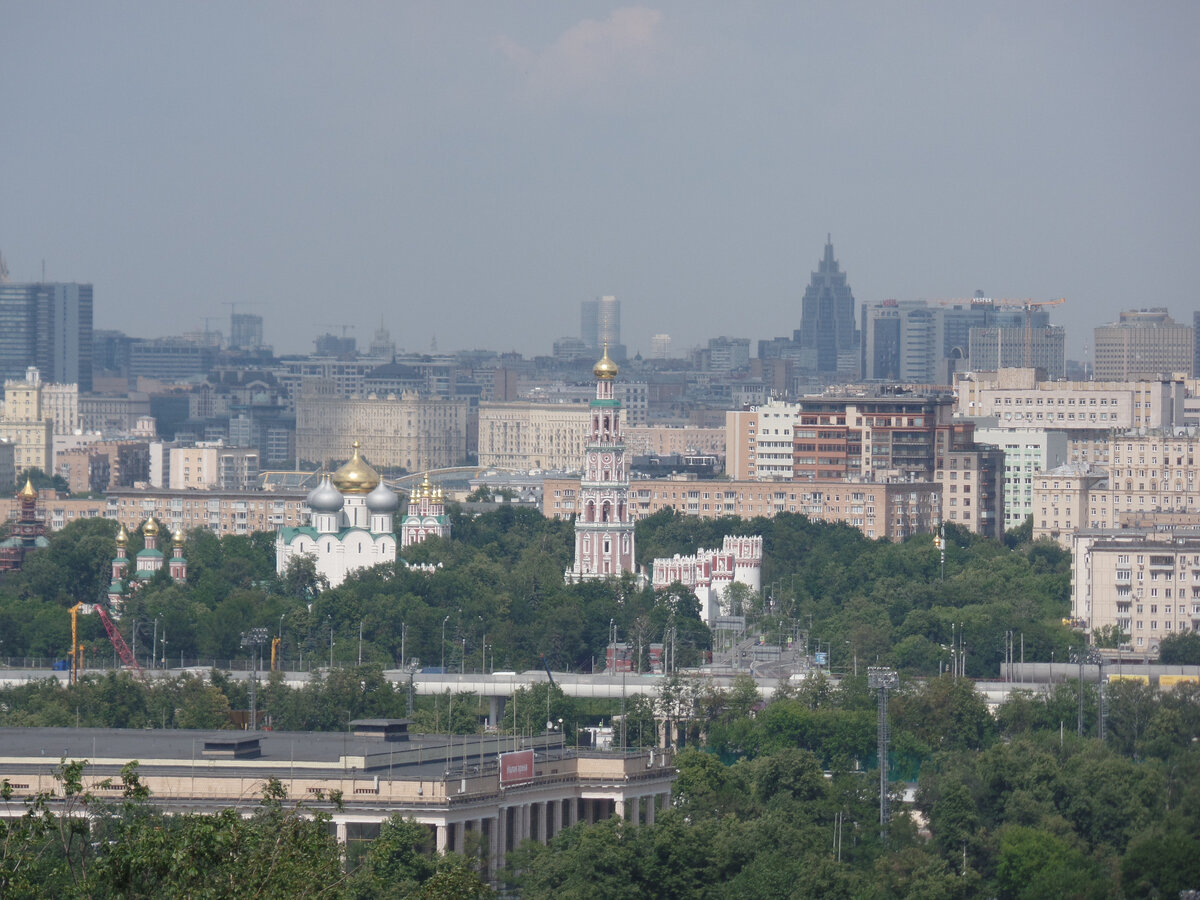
<point>516,767</point>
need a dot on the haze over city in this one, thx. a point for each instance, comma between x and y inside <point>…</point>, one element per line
<point>472,172</point>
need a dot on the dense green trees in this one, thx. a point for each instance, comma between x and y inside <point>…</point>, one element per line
<point>96,848</point>
<point>499,601</point>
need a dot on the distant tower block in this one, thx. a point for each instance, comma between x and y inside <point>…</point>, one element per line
<point>660,346</point>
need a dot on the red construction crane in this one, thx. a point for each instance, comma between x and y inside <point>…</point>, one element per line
<point>114,636</point>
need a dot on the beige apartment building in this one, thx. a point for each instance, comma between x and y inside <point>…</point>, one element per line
<point>892,510</point>
<point>972,483</point>
<point>56,512</point>
<point>222,512</point>
<point>1015,397</point>
<point>26,425</point>
<point>1150,476</point>
<point>409,431</point>
<point>1146,582</point>
<point>524,436</point>
<point>208,466</point>
<point>1143,343</point>
<point>669,440</point>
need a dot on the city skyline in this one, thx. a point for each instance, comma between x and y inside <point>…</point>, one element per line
<point>475,178</point>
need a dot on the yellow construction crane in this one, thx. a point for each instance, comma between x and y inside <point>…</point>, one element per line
<point>1028,306</point>
<point>114,636</point>
<point>76,650</point>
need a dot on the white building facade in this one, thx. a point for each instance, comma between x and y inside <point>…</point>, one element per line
<point>351,515</point>
<point>710,573</point>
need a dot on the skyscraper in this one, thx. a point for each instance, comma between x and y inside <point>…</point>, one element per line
<point>245,331</point>
<point>600,325</point>
<point>827,319</point>
<point>48,326</point>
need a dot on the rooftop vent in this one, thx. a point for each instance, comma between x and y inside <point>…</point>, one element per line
<point>233,747</point>
<point>381,729</point>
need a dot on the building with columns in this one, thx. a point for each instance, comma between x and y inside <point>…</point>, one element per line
<point>604,527</point>
<point>464,790</point>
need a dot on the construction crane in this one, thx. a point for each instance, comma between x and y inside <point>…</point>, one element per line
<point>114,637</point>
<point>1026,305</point>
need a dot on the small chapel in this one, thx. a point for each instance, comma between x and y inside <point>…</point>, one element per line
<point>147,562</point>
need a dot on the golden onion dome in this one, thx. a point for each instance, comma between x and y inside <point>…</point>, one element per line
<point>356,477</point>
<point>28,492</point>
<point>606,369</point>
<point>122,537</point>
<point>151,527</point>
<point>177,537</point>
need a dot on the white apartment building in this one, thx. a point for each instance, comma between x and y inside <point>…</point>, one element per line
<point>1027,453</point>
<point>1016,398</point>
<point>1144,581</point>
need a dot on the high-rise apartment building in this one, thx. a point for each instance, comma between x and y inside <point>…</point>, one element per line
<point>245,331</point>
<point>47,325</point>
<point>600,326</point>
<point>827,322</point>
<point>1143,343</point>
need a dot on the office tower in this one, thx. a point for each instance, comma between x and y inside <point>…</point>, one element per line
<point>245,331</point>
<point>660,346</point>
<point>48,326</point>
<point>1144,342</point>
<point>1003,347</point>
<point>880,341</point>
<point>600,324</point>
<point>827,319</point>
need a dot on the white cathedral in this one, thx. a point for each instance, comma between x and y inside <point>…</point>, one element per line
<point>350,527</point>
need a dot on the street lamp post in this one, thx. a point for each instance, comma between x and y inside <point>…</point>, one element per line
<point>329,619</point>
<point>444,621</point>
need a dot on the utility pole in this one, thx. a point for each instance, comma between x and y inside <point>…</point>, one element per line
<point>883,680</point>
<point>254,639</point>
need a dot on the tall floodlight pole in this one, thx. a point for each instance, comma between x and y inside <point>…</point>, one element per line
<point>883,680</point>
<point>254,639</point>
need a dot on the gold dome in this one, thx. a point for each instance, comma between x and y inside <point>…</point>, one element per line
<point>177,537</point>
<point>122,537</point>
<point>151,527</point>
<point>426,488</point>
<point>606,369</point>
<point>28,492</point>
<point>356,477</point>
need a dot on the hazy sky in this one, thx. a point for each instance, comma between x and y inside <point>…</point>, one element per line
<point>474,170</point>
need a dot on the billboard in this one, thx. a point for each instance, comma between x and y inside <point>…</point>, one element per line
<point>516,767</point>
